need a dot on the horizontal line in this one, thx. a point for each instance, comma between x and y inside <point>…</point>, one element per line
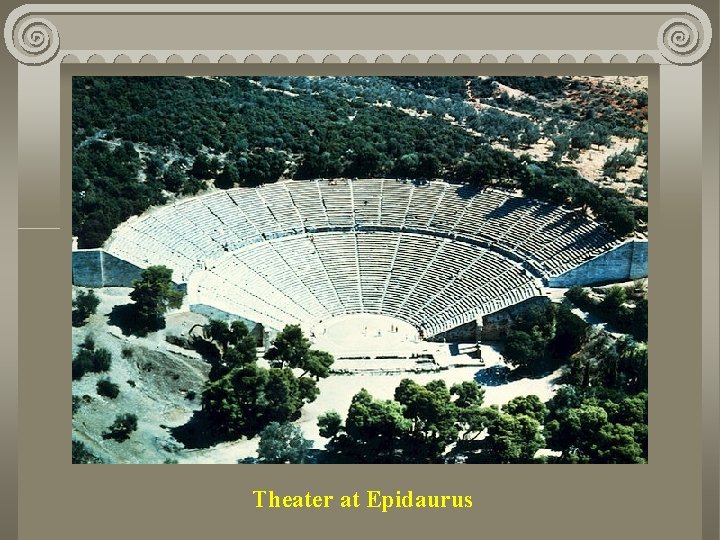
<point>38,228</point>
<point>281,8</point>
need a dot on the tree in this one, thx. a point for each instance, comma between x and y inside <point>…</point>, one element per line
<point>522,349</point>
<point>530,134</point>
<point>514,439</point>
<point>330,424</point>
<point>154,167</point>
<point>308,389</point>
<point>618,445</point>
<point>84,305</point>
<point>154,293</point>
<point>595,364</point>
<point>639,322</point>
<point>429,166</point>
<point>192,186</point>
<point>616,212</point>
<point>469,394</point>
<point>289,347</point>
<point>561,144</point>
<point>528,405</point>
<point>283,399</point>
<point>218,332</point>
<point>618,162</point>
<point>613,301</point>
<point>263,167</point>
<point>248,397</point>
<point>228,177</point>
<point>317,363</point>
<point>174,177</point>
<point>231,402</point>
<point>374,432</point>
<point>587,434</point>
<point>224,346</point>
<point>433,419</point>
<point>570,333</point>
<point>632,369</point>
<point>365,161</point>
<point>292,349</point>
<point>587,197</point>
<point>476,419</point>
<point>407,165</point>
<point>121,429</point>
<point>214,165</point>
<point>282,443</point>
<point>201,168</point>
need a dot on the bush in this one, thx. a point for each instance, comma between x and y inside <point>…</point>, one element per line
<point>76,402</point>
<point>579,297</point>
<point>81,455</point>
<point>84,305</point>
<point>101,360</point>
<point>107,388</point>
<point>90,361</point>
<point>122,427</point>
<point>618,162</point>
<point>88,343</point>
<point>614,309</point>
<point>81,365</point>
<point>282,443</point>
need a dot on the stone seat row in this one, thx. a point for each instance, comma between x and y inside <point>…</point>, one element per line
<point>201,228</point>
<point>410,280</point>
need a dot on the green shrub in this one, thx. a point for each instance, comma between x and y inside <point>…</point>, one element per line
<point>121,429</point>
<point>81,455</point>
<point>84,305</point>
<point>88,343</point>
<point>107,388</point>
<point>76,402</point>
<point>90,361</point>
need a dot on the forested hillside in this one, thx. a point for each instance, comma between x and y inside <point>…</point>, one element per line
<point>139,141</point>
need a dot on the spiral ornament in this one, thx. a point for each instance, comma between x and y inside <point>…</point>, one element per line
<point>680,41</point>
<point>34,40</point>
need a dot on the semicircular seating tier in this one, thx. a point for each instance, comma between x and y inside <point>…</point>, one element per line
<point>434,254</point>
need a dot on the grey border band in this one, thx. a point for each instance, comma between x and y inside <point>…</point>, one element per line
<point>683,38</point>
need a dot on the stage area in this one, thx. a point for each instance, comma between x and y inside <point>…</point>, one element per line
<point>366,335</point>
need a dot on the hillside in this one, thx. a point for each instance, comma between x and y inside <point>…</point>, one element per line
<point>141,141</point>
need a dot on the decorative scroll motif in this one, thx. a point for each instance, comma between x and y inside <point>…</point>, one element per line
<point>680,41</point>
<point>33,40</point>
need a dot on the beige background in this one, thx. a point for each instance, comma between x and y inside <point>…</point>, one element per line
<point>660,500</point>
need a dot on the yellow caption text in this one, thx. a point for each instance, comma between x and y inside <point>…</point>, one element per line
<point>369,499</point>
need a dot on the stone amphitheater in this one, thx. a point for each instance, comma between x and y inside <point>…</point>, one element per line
<point>431,254</point>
